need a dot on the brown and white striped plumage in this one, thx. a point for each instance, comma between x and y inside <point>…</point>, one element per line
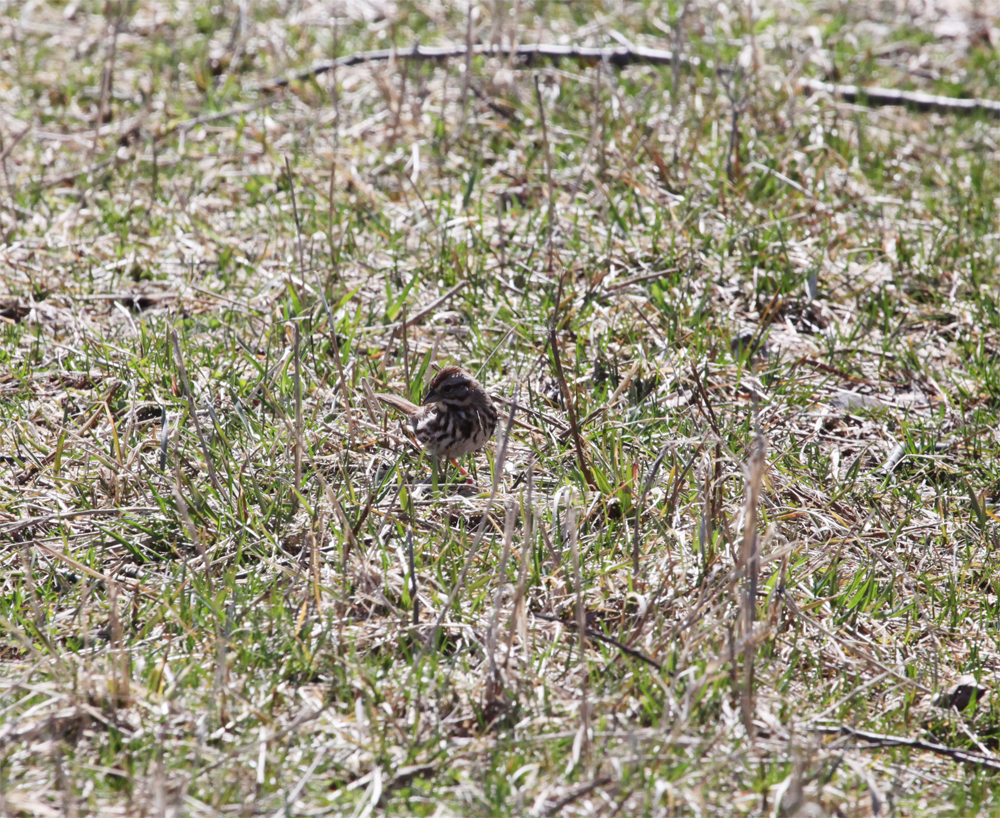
<point>457,415</point>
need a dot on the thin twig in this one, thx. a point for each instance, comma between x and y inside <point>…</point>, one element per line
<point>467,75</point>
<point>297,722</point>
<point>638,509</point>
<point>194,416</point>
<point>570,411</point>
<point>559,805</point>
<point>869,658</point>
<point>356,528</point>
<point>491,636</point>
<point>679,482</point>
<point>13,143</point>
<point>679,32</point>
<point>600,637</point>
<point>548,173</point>
<point>11,528</point>
<point>45,184</point>
<point>421,314</point>
<point>749,562</point>
<point>621,285</point>
<point>297,358</point>
<point>413,575</point>
<point>517,616</point>
<point>335,351</point>
<point>573,524</point>
<point>737,103</point>
<point>406,352</point>
<point>107,78</point>
<point>295,214</point>
<point>790,182</point>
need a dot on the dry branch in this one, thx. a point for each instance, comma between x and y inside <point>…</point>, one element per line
<point>621,56</point>
<point>527,53</point>
<point>875,97</point>
<point>880,740</point>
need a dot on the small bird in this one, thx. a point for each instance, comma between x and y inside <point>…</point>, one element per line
<point>456,417</point>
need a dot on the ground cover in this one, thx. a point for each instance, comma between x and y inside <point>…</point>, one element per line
<point>728,318</point>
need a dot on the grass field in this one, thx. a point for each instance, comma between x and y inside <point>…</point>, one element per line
<point>737,545</point>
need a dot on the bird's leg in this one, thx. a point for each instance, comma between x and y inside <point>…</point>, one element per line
<point>467,478</point>
<point>454,462</point>
<point>435,465</point>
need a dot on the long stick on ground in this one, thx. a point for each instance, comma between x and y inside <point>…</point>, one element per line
<point>621,56</point>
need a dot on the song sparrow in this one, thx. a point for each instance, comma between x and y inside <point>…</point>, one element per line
<point>457,415</point>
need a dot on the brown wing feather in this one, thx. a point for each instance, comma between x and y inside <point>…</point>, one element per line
<point>396,402</point>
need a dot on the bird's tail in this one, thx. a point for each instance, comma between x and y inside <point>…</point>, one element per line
<point>396,402</point>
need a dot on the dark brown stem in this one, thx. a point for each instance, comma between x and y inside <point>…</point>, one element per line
<point>600,637</point>
<point>570,410</point>
<point>295,213</point>
<point>706,402</point>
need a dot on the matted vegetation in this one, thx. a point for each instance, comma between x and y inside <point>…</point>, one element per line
<point>207,526</point>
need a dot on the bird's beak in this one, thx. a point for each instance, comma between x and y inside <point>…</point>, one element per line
<point>431,397</point>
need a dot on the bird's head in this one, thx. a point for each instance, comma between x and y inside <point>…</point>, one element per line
<point>451,385</point>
